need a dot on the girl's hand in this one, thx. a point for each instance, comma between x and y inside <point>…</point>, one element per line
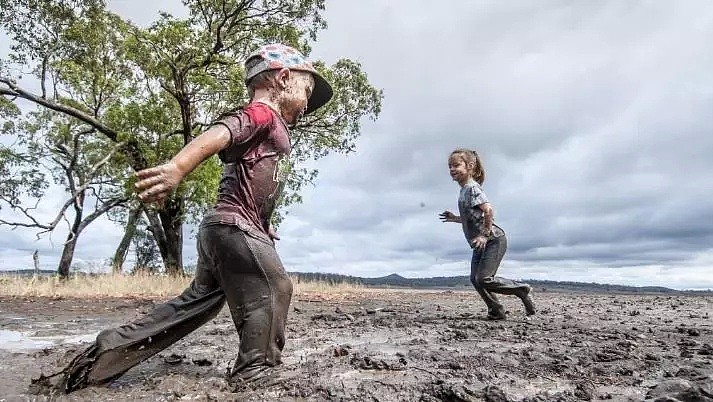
<point>479,242</point>
<point>157,183</point>
<point>448,216</point>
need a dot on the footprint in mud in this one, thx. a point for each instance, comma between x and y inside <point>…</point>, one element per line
<point>174,359</point>
<point>609,355</point>
<point>370,363</point>
<point>440,391</point>
<point>202,362</point>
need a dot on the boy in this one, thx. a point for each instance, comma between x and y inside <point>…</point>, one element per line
<point>237,261</point>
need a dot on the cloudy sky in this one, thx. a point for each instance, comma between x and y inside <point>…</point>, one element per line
<point>593,119</point>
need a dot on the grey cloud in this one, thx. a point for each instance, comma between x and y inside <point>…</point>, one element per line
<point>593,119</point>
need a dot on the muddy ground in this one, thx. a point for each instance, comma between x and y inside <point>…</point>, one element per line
<point>389,345</point>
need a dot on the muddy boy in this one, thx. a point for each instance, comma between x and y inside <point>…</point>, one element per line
<point>237,260</point>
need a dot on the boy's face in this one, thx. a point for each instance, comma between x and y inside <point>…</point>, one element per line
<point>296,87</point>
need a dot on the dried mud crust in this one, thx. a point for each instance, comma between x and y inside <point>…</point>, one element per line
<point>403,345</point>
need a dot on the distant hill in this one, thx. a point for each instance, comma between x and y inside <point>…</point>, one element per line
<point>28,272</point>
<point>451,282</point>
<point>395,280</point>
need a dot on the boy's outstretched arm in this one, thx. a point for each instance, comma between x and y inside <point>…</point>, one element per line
<point>155,184</point>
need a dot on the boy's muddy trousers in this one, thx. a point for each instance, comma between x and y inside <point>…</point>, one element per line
<point>234,266</point>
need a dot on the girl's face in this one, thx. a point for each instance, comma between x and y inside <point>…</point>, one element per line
<point>459,169</point>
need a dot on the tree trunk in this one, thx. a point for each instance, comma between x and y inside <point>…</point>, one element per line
<point>123,248</point>
<point>36,259</point>
<point>67,255</point>
<point>65,262</point>
<point>172,224</point>
<point>166,225</point>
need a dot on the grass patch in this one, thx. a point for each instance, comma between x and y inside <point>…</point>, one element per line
<point>109,285</point>
<point>94,286</point>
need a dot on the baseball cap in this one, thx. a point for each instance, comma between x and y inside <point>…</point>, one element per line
<point>276,56</point>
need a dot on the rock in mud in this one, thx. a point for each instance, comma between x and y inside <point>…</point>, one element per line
<point>690,373</point>
<point>686,353</point>
<point>324,317</point>
<point>341,350</point>
<point>45,385</point>
<point>202,362</point>
<point>492,393</point>
<point>369,363</point>
<point>669,389</point>
<point>706,350</point>
<point>174,359</point>
<point>687,342</point>
<point>609,355</point>
<point>565,396</point>
<point>451,366</point>
<point>584,390</point>
<point>450,393</point>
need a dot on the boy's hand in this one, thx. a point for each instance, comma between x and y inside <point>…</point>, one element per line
<point>479,242</point>
<point>447,216</point>
<point>271,232</point>
<point>157,183</point>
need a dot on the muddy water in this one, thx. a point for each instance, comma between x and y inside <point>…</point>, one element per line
<point>391,345</point>
<point>15,341</point>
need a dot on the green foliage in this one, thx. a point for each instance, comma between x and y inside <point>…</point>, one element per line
<point>19,177</point>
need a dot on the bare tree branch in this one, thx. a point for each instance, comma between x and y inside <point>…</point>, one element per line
<point>101,210</point>
<point>129,148</point>
<point>14,90</point>
<point>76,192</point>
<point>25,211</point>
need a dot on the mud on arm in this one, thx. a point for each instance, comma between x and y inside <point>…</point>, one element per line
<point>155,184</point>
<point>488,214</point>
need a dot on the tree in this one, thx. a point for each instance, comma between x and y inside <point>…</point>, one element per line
<point>149,91</point>
<point>147,261</point>
<point>132,221</point>
<point>50,146</point>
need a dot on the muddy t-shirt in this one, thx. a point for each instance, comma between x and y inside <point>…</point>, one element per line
<point>469,201</point>
<point>255,167</point>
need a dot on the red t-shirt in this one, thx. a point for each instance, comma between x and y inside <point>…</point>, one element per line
<point>254,169</point>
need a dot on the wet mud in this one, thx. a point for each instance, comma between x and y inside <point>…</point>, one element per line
<point>394,345</point>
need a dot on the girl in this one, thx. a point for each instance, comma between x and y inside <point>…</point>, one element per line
<point>487,239</point>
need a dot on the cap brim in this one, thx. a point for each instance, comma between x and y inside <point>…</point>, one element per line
<point>321,94</point>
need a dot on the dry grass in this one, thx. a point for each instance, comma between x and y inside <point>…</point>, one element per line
<point>94,286</point>
<point>303,286</point>
<point>131,286</point>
